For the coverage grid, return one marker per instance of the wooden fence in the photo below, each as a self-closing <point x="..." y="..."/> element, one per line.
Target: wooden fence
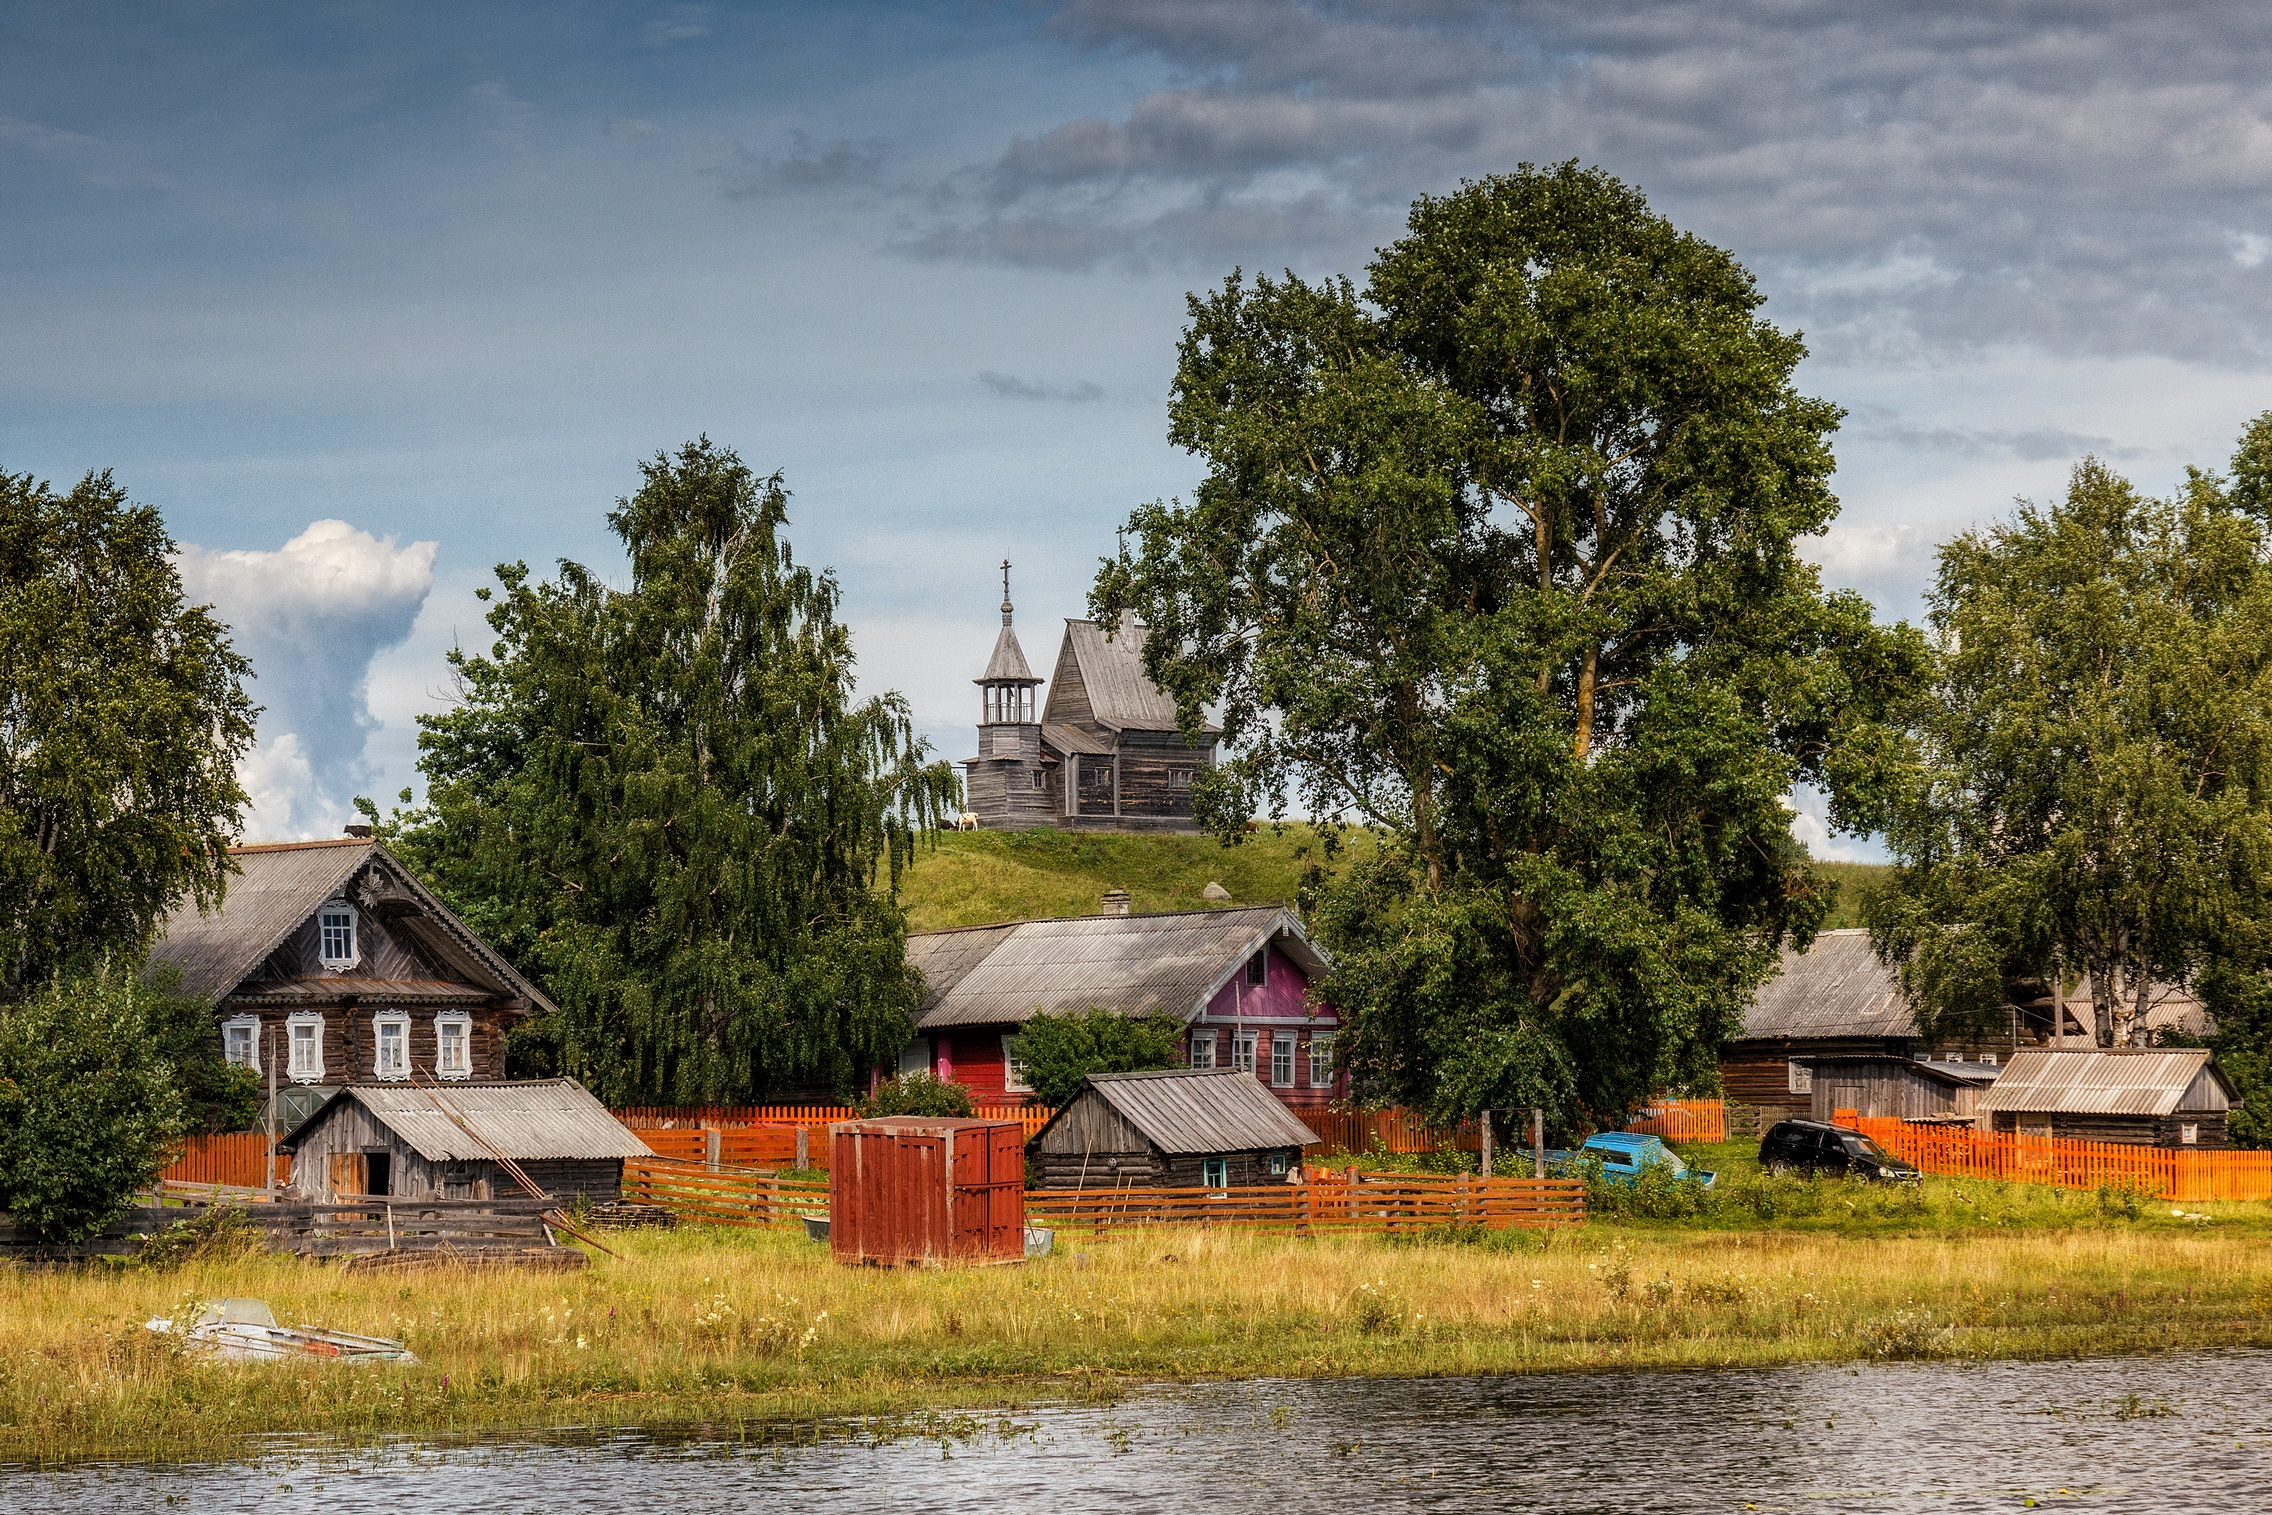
<point x="1682" y="1120"/>
<point x="2161" y="1172"/>
<point x="1332" y="1203"/>
<point x="816" y="1119"/>
<point x="723" y="1197"/>
<point x="1357" y="1132"/>
<point x="237" y="1159"/>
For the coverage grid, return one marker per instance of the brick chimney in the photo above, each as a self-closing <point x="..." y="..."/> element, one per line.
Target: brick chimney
<point x="1115" y="902"/>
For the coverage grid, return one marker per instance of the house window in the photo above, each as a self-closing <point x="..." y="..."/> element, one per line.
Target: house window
<point x="1802" y="1078"/>
<point x="1202" y="1049"/>
<point x="1258" y="968"/>
<point x="1282" y="1061"/>
<point x="1988" y="1059"/>
<point x="915" y="1057"/>
<point x="1015" y="1079"/>
<point x="240" y="1041"/>
<point x="304" y="1035"/>
<point x="1215" y="1172"/>
<point x="1321" y="1062"/>
<point x="335" y="932"/>
<point x="1277" y="1165"/>
<point x="390" y="1029"/>
<point x="1040" y="779"/>
<point x="453" y="1046"/>
<point x="1179" y="777"/>
<point x="2189" y="1135"/>
<point x="1242" y="1051"/>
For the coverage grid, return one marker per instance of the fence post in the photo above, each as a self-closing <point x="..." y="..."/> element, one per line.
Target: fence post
<point x="804" y="1146"/>
<point x="1538" y="1141"/>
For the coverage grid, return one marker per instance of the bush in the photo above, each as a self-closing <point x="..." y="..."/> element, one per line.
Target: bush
<point x="918" y="1094"/>
<point x="212" y="1235"/>
<point x="1059" y="1051"/>
<point x="89" y="1108"/>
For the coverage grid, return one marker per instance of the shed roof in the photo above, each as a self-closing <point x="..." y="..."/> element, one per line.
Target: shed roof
<point x="2119" y="1081"/>
<point x="535" y="1121"/>
<point x="1838" y="987"/>
<point x="279" y="885"/>
<point x="1064" y="738"/>
<point x="1121" y="696"/>
<point x="1185" y="1111"/>
<point x="1133" y="964"/>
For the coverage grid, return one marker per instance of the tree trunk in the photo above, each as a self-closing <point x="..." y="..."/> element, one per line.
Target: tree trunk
<point x="1587" y="670"/>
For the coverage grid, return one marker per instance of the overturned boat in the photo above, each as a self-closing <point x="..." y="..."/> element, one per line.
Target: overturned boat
<point x="245" y="1330"/>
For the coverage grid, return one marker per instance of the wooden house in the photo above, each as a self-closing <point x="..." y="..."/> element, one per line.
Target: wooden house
<point x="1182" y="1128"/>
<point x="1835" y="1000"/>
<point x="330" y="965"/>
<point x="1238" y="980"/>
<point x="415" y="1142"/>
<point x="1899" y="1088"/>
<point x="2142" y="1096"/>
<point x="1102" y="753"/>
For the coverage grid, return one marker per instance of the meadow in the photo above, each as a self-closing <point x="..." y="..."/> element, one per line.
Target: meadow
<point x="760" y="1333"/>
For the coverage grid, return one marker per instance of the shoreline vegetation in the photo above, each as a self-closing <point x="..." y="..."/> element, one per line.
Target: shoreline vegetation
<point x="759" y="1334"/>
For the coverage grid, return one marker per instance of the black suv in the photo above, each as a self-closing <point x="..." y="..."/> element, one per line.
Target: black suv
<point x="1820" y="1147"/>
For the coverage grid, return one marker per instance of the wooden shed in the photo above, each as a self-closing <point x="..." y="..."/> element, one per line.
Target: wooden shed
<point x="914" y="1189"/>
<point x="408" y="1140"/>
<point x="1899" y="1088"/>
<point x="1180" y="1128"/>
<point x="2143" y="1096"/>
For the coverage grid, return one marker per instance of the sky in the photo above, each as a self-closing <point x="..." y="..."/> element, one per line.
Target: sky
<point x="369" y="298"/>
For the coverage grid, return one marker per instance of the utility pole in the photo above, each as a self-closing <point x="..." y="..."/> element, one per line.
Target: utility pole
<point x="268" y="1052"/>
<point x="1537" y="1142"/>
<point x="1486" y="1144"/>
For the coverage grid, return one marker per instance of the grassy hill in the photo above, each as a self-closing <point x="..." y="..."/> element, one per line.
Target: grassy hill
<point x="1852" y="879"/>
<point x="973" y="877"/>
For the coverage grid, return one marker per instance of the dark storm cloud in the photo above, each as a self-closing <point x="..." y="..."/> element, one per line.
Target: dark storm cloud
<point x="2089" y="177"/>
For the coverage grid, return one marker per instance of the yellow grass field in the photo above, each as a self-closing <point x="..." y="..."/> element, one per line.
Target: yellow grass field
<point x="750" y="1329"/>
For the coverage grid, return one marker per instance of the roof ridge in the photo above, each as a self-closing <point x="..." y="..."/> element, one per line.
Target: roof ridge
<point x="1135" y="915"/>
<point x="309" y="844"/>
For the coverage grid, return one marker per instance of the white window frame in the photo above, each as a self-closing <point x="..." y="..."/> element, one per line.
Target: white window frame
<point x="1242" y="1051"/>
<point x="381" y="1023"/>
<point x="309" y="1071"/>
<point x="1321" y="1062"/>
<point x="1202" y="1054"/>
<point x="2189" y="1136"/>
<point x="1282" y="1054"/>
<point x="464" y="1024"/>
<point x="324" y="954"/>
<point x="1015" y="1077"/>
<point x="1802" y="1077"/>
<point x="242" y="1023"/>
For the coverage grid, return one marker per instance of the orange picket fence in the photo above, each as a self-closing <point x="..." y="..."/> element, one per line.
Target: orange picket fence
<point x="1682" y="1120"/>
<point x="1330" y="1202"/>
<point x="1360" y="1131"/>
<point x="815" y="1118"/>
<point x="2161" y="1172"/>
<point x="238" y="1159"/>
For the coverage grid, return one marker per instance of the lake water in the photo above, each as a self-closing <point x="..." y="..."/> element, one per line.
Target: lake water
<point x="2176" y="1433"/>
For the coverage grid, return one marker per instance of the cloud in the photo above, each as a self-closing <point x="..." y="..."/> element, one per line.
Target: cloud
<point x="807" y="167"/>
<point x="310" y="617"/>
<point x="1810" y="825"/>
<point x="94" y="159"/>
<point x="1011" y="387"/>
<point x="2040" y="444"/>
<point x="683" y="24"/>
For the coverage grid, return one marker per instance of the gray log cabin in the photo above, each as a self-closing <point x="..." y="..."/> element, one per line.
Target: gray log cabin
<point x="410" y="1142"/>
<point x="1181" y="1128"/>
<point x="1103" y="753"/>
<point x="330" y="961"/>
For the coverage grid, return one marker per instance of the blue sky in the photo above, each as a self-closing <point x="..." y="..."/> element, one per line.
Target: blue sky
<point x="444" y="273"/>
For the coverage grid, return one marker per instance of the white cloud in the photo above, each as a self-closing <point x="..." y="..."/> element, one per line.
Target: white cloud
<point x="311" y="617"/>
<point x="1810" y="824"/>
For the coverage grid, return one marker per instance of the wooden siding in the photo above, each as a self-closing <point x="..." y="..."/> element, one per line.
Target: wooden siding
<point x="386" y="952"/>
<point x="1091" y="1126"/>
<point x="1155" y="1170"/>
<point x="1068" y="702"/>
<point x="1757" y="1073"/>
<point x="1886" y="1089"/>
<point x="2214" y="1128"/>
<point x="348" y="1129"/>
<point x="351" y="1044"/>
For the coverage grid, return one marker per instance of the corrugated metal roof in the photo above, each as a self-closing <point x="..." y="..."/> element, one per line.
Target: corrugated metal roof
<point x="1183" y="1111"/>
<point x="2146" y="1081"/>
<point x="277" y="887"/>
<point x="1131" y="964"/>
<point x="536" y="1121"/>
<point x="1838" y="987"/>
<point x="1112" y="671"/>
<point x="1009" y="660"/>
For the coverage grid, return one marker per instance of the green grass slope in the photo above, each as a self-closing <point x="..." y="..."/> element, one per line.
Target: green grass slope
<point x="1853" y="880"/>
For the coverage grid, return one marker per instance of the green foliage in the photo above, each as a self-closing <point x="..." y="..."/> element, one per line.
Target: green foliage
<point x="919" y="1094"/>
<point x="665" y="801"/>
<point x="2091" y="766"/>
<point x="1501" y="557"/>
<point x="1060" y="1050"/>
<point x="217" y="1095"/>
<point x="218" y="1233"/>
<point x="2239" y="997"/>
<point x="89" y="1111"/>
<point x="122" y="716"/>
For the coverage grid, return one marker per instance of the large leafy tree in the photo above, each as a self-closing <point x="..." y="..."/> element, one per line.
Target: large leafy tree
<point x="1500" y="555"/>
<point x="2093" y="760"/>
<point x="122" y="716"/>
<point x="667" y="800"/>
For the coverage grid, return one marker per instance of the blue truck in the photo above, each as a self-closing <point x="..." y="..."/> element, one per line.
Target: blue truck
<point x="1625" y="1155"/>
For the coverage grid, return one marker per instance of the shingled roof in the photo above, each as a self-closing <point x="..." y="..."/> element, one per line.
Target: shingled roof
<point x="536" y="1121"/>
<point x="1133" y="964"/>
<point x="1190" y="1111"/>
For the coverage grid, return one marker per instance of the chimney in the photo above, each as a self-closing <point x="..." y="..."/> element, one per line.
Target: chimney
<point x="361" y="831"/>
<point x="1115" y="902"/>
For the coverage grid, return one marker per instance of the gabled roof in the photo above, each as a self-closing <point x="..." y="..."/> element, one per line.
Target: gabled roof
<point x="279" y="885"/>
<point x="1188" y="1111"/>
<point x="1132" y="964"/>
<point x="1837" y="988"/>
<point x="1948" y="1075"/>
<point x="537" y="1121"/>
<point x="1121" y="697"/>
<point x="2119" y="1081"/>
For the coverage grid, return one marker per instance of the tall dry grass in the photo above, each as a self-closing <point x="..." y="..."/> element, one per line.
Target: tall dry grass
<point x="733" y="1327"/>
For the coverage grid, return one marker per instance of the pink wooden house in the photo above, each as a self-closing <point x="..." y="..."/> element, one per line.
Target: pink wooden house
<point x="1239" y="980"/>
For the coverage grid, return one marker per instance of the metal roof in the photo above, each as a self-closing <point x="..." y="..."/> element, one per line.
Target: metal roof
<point x="1008" y="665"/>
<point x="1951" y="1075"/>
<point x="1838" y="987"/>
<point x="279" y="885"/>
<point x="2120" y="1081"/>
<point x="1131" y="964"/>
<point x="1121" y="697"/>
<point x="536" y="1121"/>
<point x="1183" y="1111"/>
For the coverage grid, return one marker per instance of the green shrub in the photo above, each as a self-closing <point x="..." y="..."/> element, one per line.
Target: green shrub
<point x="1059" y="1051"/>
<point x="918" y="1094"/>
